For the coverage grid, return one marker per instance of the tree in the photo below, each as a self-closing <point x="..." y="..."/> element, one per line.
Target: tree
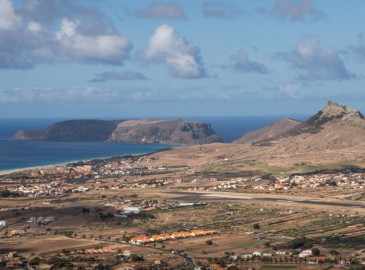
<point x="35" y="261"/>
<point x="256" y="226"/>
<point x="316" y="252"/>
<point x="209" y="242"/>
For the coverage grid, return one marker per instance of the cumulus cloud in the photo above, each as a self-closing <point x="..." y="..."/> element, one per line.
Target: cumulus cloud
<point x="314" y="62"/>
<point x="120" y="76"/>
<point x="242" y="63"/>
<point x="29" y="35"/>
<point x="8" y="19"/>
<point x="221" y="9"/>
<point x="112" y="49"/>
<point x="294" y="10"/>
<point x="182" y="57"/>
<point x="170" y="10"/>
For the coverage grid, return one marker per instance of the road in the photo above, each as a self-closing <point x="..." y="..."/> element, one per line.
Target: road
<point x="191" y="195"/>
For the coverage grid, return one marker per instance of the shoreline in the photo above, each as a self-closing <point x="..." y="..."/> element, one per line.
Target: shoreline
<point x="16" y="170"/>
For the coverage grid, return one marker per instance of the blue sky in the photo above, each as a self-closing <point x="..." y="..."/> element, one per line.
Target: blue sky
<point x="119" y="58"/>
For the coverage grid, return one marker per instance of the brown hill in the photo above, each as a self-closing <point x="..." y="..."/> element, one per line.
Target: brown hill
<point x="273" y="130"/>
<point x="335" y="135"/>
<point x="331" y="113"/>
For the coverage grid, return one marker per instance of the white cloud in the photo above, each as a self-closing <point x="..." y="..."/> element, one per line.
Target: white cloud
<point x="181" y="56"/>
<point x="294" y="10"/>
<point x="32" y="34"/>
<point x="111" y="48"/>
<point x="34" y="27"/>
<point x="242" y="63"/>
<point x="221" y="9"/>
<point x="8" y="19"/>
<point x="170" y="10"/>
<point x="314" y="62"/>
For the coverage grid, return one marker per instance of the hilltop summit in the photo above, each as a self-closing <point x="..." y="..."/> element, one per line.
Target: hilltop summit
<point x="334" y="123"/>
<point x="334" y="111"/>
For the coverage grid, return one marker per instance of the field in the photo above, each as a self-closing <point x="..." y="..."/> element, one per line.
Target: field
<point x="85" y="232"/>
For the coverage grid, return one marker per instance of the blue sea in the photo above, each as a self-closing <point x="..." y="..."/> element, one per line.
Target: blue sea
<point x="22" y="154"/>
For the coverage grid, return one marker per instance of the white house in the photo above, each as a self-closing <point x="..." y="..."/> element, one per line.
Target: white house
<point x="305" y="253"/>
<point x="2" y="223"/>
<point x="281" y="252"/>
<point x="132" y="210"/>
<point x="127" y="253"/>
<point x="246" y="256"/>
<point x="256" y="253"/>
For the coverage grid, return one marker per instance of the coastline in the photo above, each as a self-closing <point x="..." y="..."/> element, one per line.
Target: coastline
<point x="6" y="172"/>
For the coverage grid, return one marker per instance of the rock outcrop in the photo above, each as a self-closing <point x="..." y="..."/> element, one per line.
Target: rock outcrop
<point x="126" y="131"/>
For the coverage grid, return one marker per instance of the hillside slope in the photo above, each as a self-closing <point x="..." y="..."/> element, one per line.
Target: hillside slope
<point x="273" y="130"/>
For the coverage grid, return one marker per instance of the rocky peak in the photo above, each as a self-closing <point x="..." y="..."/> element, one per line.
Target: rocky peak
<point x="332" y="113"/>
<point x="337" y="112"/>
<point x="333" y="109"/>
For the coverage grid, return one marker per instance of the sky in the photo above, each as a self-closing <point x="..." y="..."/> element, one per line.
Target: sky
<point x="122" y="58"/>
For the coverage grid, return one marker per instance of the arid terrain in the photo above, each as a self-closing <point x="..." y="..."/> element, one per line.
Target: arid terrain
<point x="291" y="200"/>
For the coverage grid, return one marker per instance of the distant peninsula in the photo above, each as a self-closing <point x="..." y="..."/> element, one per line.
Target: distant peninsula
<point x="147" y="131"/>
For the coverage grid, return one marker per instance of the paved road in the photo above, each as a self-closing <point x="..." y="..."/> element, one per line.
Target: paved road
<point x="257" y="197"/>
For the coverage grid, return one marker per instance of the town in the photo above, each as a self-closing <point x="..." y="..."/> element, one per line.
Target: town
<point x="133" y="213"/>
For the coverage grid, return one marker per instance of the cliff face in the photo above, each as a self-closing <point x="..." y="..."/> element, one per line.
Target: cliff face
<point x="164" y="132"/>
<point x="130" y="131"/>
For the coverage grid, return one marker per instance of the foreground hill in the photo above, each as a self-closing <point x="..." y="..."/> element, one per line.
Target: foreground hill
<point x="334" y="126"/>
<point x="128" y="131"/>
<point x="335" y="135"/>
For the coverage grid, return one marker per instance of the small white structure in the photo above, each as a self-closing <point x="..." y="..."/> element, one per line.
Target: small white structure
<point x="305" y="253"/>
<point x="246" y="256"/>
<point x="132" y="210"/>
<point x="2" y="223"/>
<point x="281" y="252"/>
<point x="256" y="253"/>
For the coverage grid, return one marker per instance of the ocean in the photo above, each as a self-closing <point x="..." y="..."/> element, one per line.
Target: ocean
<point x="22" y="154"/>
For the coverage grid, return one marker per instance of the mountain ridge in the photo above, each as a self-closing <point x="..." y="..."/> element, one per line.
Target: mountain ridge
<point x="332" y="114"/>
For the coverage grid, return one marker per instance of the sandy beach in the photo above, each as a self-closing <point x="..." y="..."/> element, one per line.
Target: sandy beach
<point x="5" y="172"/>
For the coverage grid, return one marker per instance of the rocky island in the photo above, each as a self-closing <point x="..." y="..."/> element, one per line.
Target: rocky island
<point x="148" y="131"/>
